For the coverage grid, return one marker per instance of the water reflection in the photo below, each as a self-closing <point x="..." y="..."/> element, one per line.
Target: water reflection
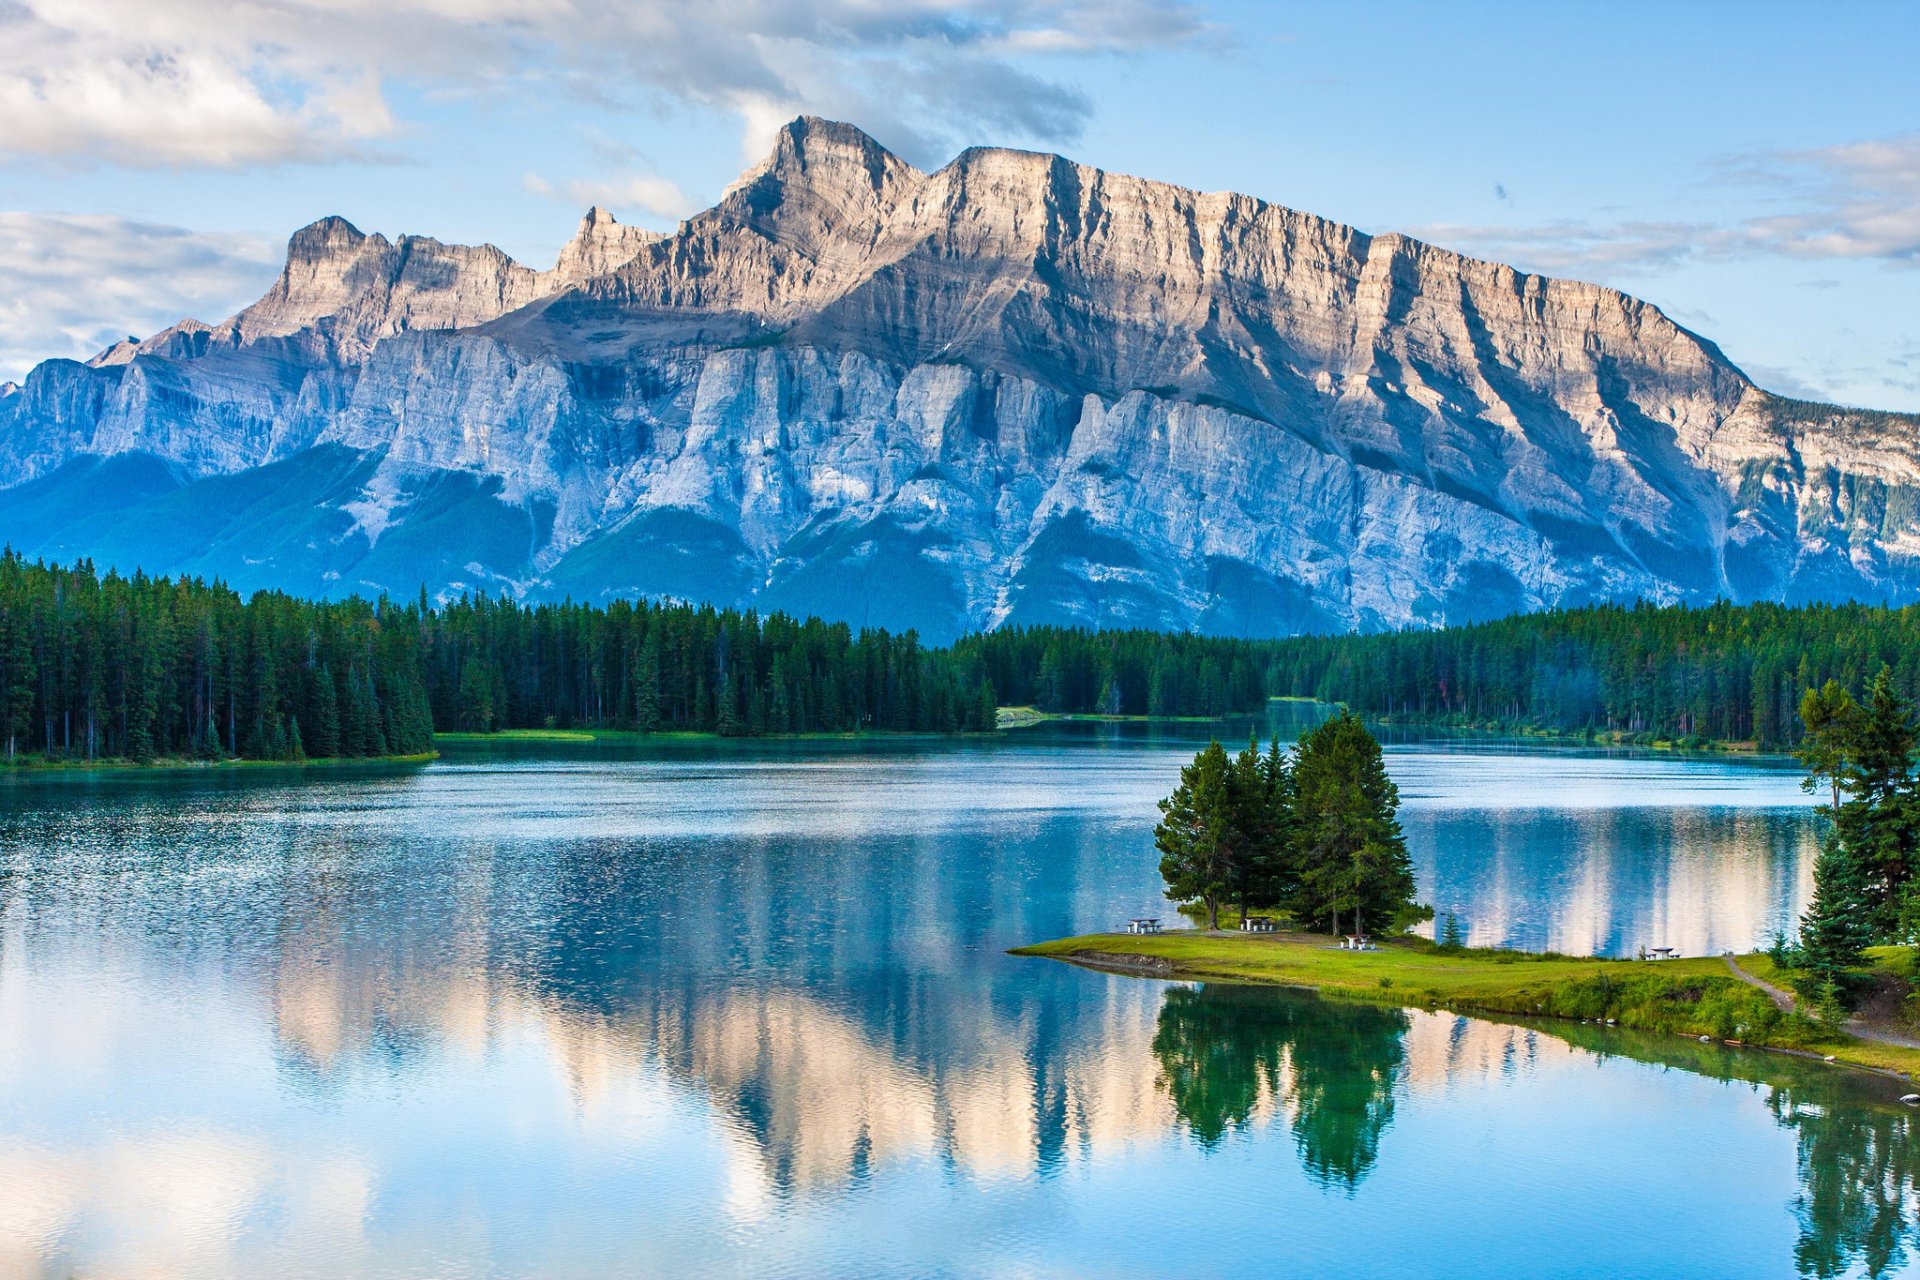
<point x="1226" y="1053"/>
<point x="1608" y="881"/>
<point x="1860" y="1184"/>
<point x="727" y="1014"/>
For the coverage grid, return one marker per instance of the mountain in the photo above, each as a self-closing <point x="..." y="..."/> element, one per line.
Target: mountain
<point x="1016" y="389"/>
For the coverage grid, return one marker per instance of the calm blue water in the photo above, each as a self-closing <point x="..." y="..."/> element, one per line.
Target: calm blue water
<point x="709" y="1010"/>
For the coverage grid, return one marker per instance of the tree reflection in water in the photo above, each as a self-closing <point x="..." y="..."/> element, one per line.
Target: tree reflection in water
<point x="1227" y="1052"/>
<point x="1859" y="1201"/>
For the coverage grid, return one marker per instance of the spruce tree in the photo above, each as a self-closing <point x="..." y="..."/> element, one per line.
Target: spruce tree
<point x="1193" y="832"/>
<point x="476" y="697"/>
<point x="1260" y="825"/>
<point x="1829" y="715"/>
<point x="1838" y="925"/>
<point x="1350" y="855"/>
<point x="646" y="683"/>
<point x="326" y="714"/>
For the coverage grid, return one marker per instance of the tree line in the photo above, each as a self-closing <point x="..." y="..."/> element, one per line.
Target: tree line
<point x="105" y="666"/>
<point x="95" y="666"/>
<point x="1732" y="673"/>
<point x="1313" y="831"/>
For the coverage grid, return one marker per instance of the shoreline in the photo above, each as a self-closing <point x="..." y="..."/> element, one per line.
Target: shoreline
<point x="1437" y="726"/>
<point x="509" y="736"/>
<point x="1695" y="999"/>
<point x="1616" y="738"/>
<point x="24" y="767"/>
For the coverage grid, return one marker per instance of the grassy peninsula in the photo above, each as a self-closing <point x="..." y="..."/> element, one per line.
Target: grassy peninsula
<point x="1693" y="997"/>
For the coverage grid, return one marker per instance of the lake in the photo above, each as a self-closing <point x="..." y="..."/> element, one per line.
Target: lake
<point x="721" y="1009"/>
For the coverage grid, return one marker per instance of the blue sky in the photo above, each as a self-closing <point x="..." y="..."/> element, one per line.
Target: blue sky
<point x="1752" y="168"/>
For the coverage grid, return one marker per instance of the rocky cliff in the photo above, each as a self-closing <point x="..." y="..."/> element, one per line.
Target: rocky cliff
<point x="1015" y="389"/>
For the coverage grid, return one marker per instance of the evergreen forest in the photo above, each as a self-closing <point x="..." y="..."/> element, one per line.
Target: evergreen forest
<point x="107" y="666"/>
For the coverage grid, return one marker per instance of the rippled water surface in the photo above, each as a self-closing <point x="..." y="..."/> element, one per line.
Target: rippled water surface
<point x="704" y="1010"/>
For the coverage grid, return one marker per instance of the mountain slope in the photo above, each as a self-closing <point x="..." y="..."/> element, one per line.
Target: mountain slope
<point x="1015" y="389"/>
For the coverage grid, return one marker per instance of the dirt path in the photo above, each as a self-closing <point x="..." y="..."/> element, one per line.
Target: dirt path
<point x="1865" y="1025"/>
<point x="1782" y="1000"/>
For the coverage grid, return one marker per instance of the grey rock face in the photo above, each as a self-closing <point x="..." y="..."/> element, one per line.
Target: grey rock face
<point x="1014" y="390"/>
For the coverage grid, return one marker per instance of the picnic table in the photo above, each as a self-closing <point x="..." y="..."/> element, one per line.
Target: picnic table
<point x="1257" y="924"/>
<point x="1144" y="924"/>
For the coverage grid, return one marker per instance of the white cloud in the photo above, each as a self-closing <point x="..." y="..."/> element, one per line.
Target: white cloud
<point x="621" y="194"/>
<point x="626" y="183"/>
<point x="1787" y="382"/>
<point x="60" y="273"/>
<point x="1862" y="201"/>
<point x="169" y="83"/>
<point x="1855" y="200"/>
<point x="1575" y="248"/>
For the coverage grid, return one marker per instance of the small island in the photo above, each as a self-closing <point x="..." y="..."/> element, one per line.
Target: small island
<point x="1311" y="835"/>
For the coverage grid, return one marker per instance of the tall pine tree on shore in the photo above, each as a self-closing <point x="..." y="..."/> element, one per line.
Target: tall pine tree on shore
<point x="1350" y="853"/>
<point x="1193" y="834"/>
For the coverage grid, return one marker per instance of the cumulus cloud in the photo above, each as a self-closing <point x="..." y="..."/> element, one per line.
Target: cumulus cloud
<point x="60" y="273"/>
<point x="166" y="83"/>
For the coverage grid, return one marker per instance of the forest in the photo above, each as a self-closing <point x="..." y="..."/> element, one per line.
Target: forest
<point x="1720" y="672"/>
<point x="105" y="666"/>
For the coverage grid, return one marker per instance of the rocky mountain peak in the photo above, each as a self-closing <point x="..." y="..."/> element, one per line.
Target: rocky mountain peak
<point x="809" y="146"/>
<point x="821" y="168"/>
<point x="1016" y="388"/>
<point x="328" y="237"/>
<point x="601" y="245"/>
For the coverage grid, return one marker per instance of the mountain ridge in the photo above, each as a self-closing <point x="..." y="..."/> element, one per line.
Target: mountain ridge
<point x="1013" y="388"/>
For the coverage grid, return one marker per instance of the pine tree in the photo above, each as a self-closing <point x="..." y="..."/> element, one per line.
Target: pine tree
<point x="1838" y="925"/>
<point x="1351" y="856"/>
<point x="1192" y="834"/>
<point x="1259" y="826"/>
<point x="1829" y="715"/>
<point x="646" y="683"/>
<point x="326" y="714"/>
<point x="476" y="697"/>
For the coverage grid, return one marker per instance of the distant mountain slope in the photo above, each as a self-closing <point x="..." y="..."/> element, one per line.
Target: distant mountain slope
<point x="1016" y="389"/>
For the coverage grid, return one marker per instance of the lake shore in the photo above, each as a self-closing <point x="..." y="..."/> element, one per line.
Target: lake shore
<point x="1448" y="726"/>
<point x="1693" y="997"/>
<point x="25" y="765"/>
<point x="509" y="737"/>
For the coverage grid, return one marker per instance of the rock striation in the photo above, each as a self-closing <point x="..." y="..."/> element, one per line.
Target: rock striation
<point x="1016" y="389"/>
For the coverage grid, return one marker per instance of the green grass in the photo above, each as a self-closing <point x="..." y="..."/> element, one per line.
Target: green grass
<point x="1693" y="997"/>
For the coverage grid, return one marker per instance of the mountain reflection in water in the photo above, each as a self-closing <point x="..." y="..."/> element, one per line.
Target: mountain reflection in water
<point x="708" y="1014"/>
